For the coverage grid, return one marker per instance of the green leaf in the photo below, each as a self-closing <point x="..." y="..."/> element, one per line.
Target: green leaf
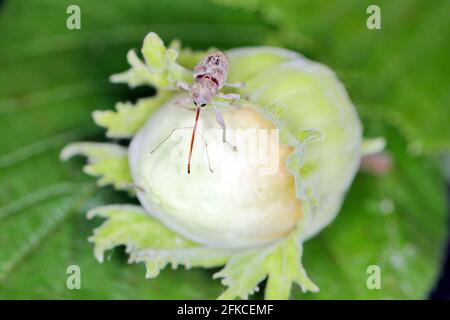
<point x="396" y="221"/>
<point x="52" y="79"/>
<point x="159" y="69"/>
<point x="154" y="51"/>
<point x="397" y="73"/>
<point x="128" y="117"/>
<point x="107" y="161"/>
<point x="147" y="240"/>
<point x="42" y="273"/>
<point x="280" y="262"/>
<point x="285" y="268"/>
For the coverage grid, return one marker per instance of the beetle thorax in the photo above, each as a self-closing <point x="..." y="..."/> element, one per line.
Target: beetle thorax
<point x="215" y="66"/>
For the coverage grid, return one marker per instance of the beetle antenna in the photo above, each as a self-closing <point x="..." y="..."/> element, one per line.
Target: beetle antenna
<point x="166" y="138"/>
<point x="197" y="114"/>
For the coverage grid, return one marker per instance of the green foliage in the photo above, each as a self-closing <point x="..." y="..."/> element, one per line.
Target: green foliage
<point x="159" y="69"/>
<point x="128" y="117"/>
<point x="149" y="241"/>
<point x="53" y="78"/>
<point x="281" y="263"/>
<point x="398" y="73"/>
<point x="107" y="161"/>
<point x="396" y="221"/>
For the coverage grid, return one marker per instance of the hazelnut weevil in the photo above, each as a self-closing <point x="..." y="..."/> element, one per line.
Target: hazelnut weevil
<point x="210" y="75"/>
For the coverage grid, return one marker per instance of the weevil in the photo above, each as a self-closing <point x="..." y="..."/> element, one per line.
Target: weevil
<point x="210" y="76"/>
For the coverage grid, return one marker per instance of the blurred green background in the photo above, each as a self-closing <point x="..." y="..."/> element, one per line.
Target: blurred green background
<point x="51" y="78"/>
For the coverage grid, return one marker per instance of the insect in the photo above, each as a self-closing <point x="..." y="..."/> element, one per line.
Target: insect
<point x="210" y="76"/>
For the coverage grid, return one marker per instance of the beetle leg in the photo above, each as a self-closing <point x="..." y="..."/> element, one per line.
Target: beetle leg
<point x="184" y="102"/>
<point x="221" y="122"/>
<point x="229" y="96"/>
<point x="239" y="85"/>
<point x="235" y="97"/>
<point x="182" y="85"/>
<point x="179" y="85"/>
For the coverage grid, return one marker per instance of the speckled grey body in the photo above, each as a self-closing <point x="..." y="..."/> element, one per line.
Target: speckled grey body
<point x="214" y="64"/>
<point x="209" y="77"/>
